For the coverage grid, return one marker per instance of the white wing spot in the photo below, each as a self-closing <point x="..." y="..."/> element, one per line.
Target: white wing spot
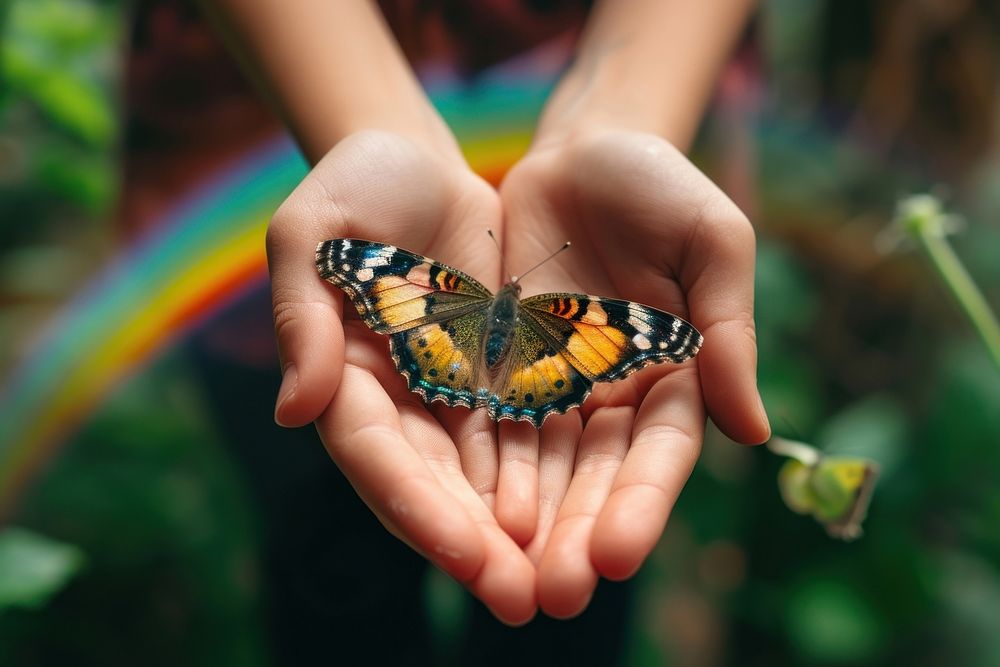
<point x="641" y="341"/>
<point x="364" y="275"/>
<point x="376" y="260"/>
<point x="345" y="267"/>
<point x="641" y="325"/>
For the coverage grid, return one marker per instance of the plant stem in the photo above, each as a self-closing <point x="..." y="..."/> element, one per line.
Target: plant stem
<point x="963" y="288"/>
<point x="799" y="451"/>
<point x="922" y="217"/>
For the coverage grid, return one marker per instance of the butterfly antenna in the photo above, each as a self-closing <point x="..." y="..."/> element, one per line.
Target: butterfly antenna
<point x="565" y="246"/>
<point x="503" y="267"/>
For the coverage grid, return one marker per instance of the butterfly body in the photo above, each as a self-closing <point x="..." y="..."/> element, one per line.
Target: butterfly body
<point x="458" y="343"/>
<point x="501" y="323"/>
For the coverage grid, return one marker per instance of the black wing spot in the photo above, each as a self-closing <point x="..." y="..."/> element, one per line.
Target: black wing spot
<point x="422" y="342"/>
<point x="529" y="398"/>
<point x="432" y="372"/>
<point x="451" y="376"/>
<point x="427" y="354"/>
<point x="559" y="384"/>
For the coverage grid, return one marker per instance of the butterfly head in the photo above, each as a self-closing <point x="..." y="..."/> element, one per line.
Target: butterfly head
<point x="513" y="287"/>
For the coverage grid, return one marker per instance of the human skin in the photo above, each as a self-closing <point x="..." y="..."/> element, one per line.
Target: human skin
<point x="524" y="518"/>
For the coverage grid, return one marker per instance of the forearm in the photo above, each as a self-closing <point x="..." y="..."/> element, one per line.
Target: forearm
<point x="331" y="69"/>
<point x="645" y="65"/>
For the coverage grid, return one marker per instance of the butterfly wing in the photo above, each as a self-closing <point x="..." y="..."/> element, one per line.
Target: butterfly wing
<point x="434" y="314"/>
<point x="395" y="290"/>
<point x="539" y="381"/>
<point x="607" y="339"/>
<point x="441" y="360"/>
<point x="566" y="342"/>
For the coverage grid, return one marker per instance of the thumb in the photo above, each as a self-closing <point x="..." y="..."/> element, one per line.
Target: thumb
<point x="307" y="321"/>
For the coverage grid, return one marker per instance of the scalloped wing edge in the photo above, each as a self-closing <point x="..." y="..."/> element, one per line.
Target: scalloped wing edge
<point x="474" y="402"/>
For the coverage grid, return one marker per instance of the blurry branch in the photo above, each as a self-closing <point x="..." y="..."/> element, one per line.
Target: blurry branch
<point x="836" y="491"/>
<point x="921" y="218"/>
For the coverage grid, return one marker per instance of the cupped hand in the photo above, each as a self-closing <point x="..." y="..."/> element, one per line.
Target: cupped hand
<point x="430" y="477"/>
<point x="648" y="226"/>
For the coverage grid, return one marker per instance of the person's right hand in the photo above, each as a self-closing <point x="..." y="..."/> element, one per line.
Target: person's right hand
<point x="431" y="482"/>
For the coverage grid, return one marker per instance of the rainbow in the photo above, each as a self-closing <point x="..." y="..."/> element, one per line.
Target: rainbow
<point x="205" y="253"/>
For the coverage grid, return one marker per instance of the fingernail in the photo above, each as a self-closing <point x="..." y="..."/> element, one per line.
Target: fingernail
<point x="289" y="382"/>
<point x="763" y="416"/>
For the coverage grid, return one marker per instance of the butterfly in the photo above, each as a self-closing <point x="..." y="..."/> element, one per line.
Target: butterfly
<point x="454" y="341"/>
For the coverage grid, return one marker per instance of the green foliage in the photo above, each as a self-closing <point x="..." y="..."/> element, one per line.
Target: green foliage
<point x="447" y="612"/>
<point x="58" y="110"/>
<point x="146" y="492"/>
<point x="53" y="54"/>
<point x="33" y="567"/>
<point x="830" y="623"/>
<point x="59" y="128"/>
<point x="786" y="311"/>
<point x="876" y="427"/>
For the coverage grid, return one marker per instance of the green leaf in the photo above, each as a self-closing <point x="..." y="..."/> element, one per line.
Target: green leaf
<point x="60" y="56"/>
<point x="78" y="105"/>
<point x="33" y="567"/>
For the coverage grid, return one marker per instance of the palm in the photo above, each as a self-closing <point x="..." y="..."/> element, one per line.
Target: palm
<point x="634" y="209"/>
<point x="425" y="479"/>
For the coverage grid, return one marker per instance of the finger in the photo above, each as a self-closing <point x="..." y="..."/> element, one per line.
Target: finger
<point x="475" y="438"/>
<point x="557" y="443"/>
<point x="362" y="432"/>
<point x="666" y="441"/>
<point x="566" y="576"/>
<point x="307" y="315"/>
<point x="505" y="581"/>
<point x="718" y="278"/>
<point x="517" y="483"/>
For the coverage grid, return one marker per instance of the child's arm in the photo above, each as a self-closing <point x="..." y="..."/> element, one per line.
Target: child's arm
<point x="647" y="66"/>
<point x="331" y="69"/>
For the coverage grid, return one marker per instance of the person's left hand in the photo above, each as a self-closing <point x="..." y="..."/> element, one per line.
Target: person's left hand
<point x="646" y="225"/>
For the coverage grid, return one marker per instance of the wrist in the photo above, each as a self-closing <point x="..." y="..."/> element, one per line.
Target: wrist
<point x="331" y="69"/>
<point x="410" y="115"/>
<point x="600" y="93"/>
<point x="645" y="66"/>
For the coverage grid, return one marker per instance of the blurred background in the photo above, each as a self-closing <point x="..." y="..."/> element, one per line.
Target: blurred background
<point x="137" y="175"/>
